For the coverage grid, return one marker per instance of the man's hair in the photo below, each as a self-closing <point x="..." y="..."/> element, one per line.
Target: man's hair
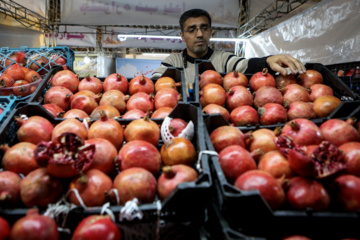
<point x="193" y="13"/>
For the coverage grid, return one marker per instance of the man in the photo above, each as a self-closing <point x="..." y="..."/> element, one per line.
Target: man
<point x="195" y="25"/>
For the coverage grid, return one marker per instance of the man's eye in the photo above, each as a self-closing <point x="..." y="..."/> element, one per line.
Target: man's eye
<point x="191" y="30"/>
<point x="204" y="29"/>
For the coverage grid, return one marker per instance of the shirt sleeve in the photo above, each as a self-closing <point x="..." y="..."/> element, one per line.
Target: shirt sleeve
<point x="170" y="61"/>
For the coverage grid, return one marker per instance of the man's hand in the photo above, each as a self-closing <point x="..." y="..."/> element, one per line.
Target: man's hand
<point x="278" y="63"/>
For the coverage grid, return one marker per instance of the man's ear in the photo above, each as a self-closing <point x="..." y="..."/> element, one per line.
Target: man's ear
<point x="212" y="31"/>
<point x="182" y="36"/>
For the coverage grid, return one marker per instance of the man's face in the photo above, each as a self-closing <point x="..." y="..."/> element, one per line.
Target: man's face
<point x="196" y="35"/>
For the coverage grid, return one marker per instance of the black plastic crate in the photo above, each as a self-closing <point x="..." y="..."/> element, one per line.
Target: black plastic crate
<point x="7" y="103"/>
<point x="347" y="69"/>
<point x="254" y="217"/>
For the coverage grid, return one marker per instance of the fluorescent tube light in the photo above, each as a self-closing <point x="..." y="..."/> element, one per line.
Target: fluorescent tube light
<point x="123" y="37"/>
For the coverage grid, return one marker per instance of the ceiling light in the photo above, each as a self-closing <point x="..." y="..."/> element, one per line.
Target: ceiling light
<point x="123" y="37"/>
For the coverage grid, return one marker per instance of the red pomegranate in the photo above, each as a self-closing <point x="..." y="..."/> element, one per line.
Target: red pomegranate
<point x="39" y="188"/>
<point x="110" y="111"/>
<point x="141" y="84"/>
<point x="6" y="81"/>
<point x="172" y="176"/>
<point x="39" y="63"/>
<point x="275" y="163"/>
<point x="238" y="96"/>
<point x="301" y="109"/>
<point x="5" y="229"/>
<point x="15" y="71"/>
<point x="105" y="155"/>
<point x="97" y="227"/>
<point x="293" y="93"/>
<point x="87" y="93"/>
<point x="32" y="76"/>
<point x="260" y="79"/>
<point x="59" y="96"/>
<point x="135" y="183"/>
<point x="217" y="109"/>
<point x="116" y="81"/>
<point x="107" y="128"/>
<point x="93" y="84"/>
<point x="21" y="88"/>
<point x="143" y="129"/>
<point x="34" y="129"/>
<point x="178" y="151"/>
<point x="267" y="94"/>
<point x="338" y="132"/>
<point x="282" y="81"/>
<point x="236" y="160"/>
<point x="272" y="113"/>
<point x="167" y="97"/>
<point x="270" y="189"/>
<point x="142" y="101"/>
<point x="57" y="59"/>
<point x="83" y="102"/>
<point x="134" y="114"/>
<point x="244" y="115"/>
<point x="212" y="93"/>
<point x="304" y="193"/>
<point x="323" y="106"/>
<point x="93" y="187"/>
<point x="9" y="189"/>
<point x="75" y="113"/>
<point x="234" y="78"/>
<point x="12" y="58"/>
<point x="54" y="109"/>
<point x="318" y="90"/>
<point x="67" y="79"/>
<point x="310" y="77"/>
<point x="352" y="157"/>
<point x="35" y="226"/>
<point x="346" y="189"/>
<point x="114" y="98"/>
<point x="139" y="153"/>
<point x="166" y="82"/>
<point x="263" y="139"/>
<point x="210" y="76"/>
<point x="303" y="132"/>
<point x="69" y="125"/>
<point x="176" y="126"/>
<point x="296" y="237"/>
<point x="20" y="158"/>
<point x="161" y="112"/>
<point x="224" y="136"/>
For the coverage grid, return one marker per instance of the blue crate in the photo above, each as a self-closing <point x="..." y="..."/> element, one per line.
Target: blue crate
<point x="7" y="103"/>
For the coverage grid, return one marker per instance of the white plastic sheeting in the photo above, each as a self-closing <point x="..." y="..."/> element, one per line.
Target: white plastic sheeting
<point x="15" y="37"/>
<point x="327" y="33"/>
<point x="37" y="6"/>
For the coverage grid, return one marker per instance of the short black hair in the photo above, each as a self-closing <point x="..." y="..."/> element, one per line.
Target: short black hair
<point x="193" y="13"/>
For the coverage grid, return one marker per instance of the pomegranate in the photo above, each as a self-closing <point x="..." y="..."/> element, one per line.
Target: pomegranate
<point x="272" y="113"/>
<point x="142" y="101"/>
<point x="67" y="79"/>
<point x="39" y="63"/>
<point x="35" y="226"/>
<point x="310" y="77"/>
<point x="338" y="132"/>
<point x="97" y="227"/>
<point x="5" y="229"/>
<point x="317" y="90"/>
<point x="34" y="129"/>
<point x="270" y="189"/>
<point x="114" y="98"/>
<point x="83" y="102"/>
<point x="224" y="136"/>
<point x="54" y="109"/>
<point x="93" y="84"/>
<point x="282" y="81"/>
<point x="21" y="56"/>
<point x="93" y="187"/>
<point x="139" y="153"/>
<point x="303" y="132"/>
<point x="296" y="237"/>
<point x="21" y="88"/>
<point x="6" y="81"/>
<point x="59" y="96"/>
<point x="238" y="96"/>
<point x="303" y="193"/>
<point x="176" y="126"/>
<point x="143" y="129"/>
<point x="244" y="115"/>
<point x="325" y="105"/>
<point x="107" y="128"/>
<point x="105" y="155"/>
<point x="260" y="79"/>
<point x="57" y="59"/>
<point x="166" y="82"/>
<point x="161" y="112"/>
<point x="235" y="160"/>
<point x="167" y="97"/>
<point x="141" y="84"/>
<point x="15" y="71"/>
<point x="263" y="139"/>
<point x="210" y="76"/>
<point x="301" y="109"/>
<point x="69" y="125"/>
<point x="212" y="93"/>
<point x="293" y="93"/>
<point x="217" y="109"/>
<point x="9" y="189"/>
<point x="87" y="93"/>
<point x="134" y="114"/>
<point x="346" y="189"/>
<point x="39" y="188"/>
<point x="66" y="158"/>
<point x="234" y="78"/>
<point x="32" y="76"/>
<point x="116" y="81"/>
<point x="352" y="157"/>
<point x="178" y="151"/>
<point x="172" y="176"/>
<point x="20" y="158"/>
<point x="75" y="113"/>
<point x="275" y="163"/>
<point x="135" y="183"/>
<point x="267" y="94"/>
<point x="110" y="111"/>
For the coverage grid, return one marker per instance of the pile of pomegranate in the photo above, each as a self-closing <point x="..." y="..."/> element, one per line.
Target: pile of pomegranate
<point x="299" y="166"/>
<point x="71" y="97"/>
<point x="265" y="99"/>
